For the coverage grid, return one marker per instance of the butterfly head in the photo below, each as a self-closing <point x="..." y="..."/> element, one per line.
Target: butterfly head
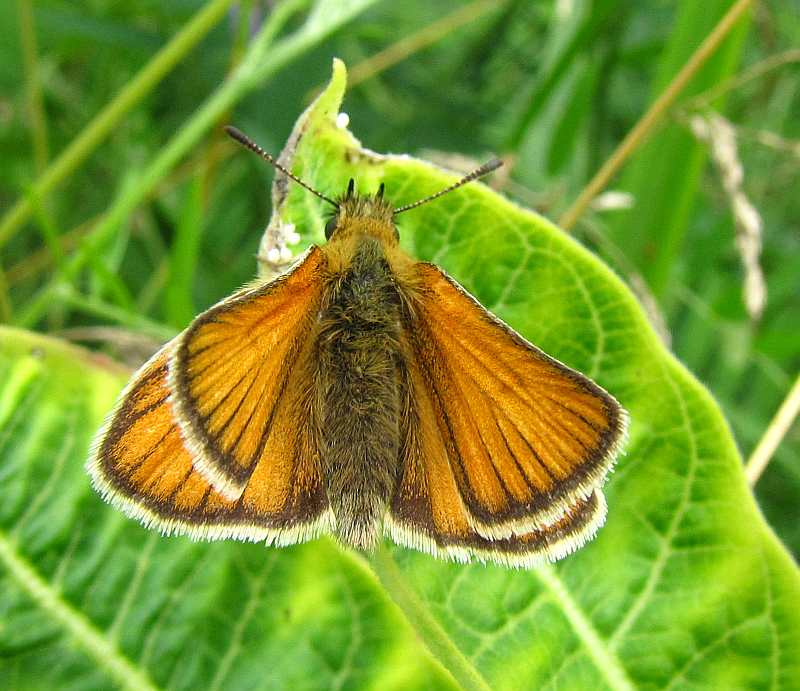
<point x="362" y="214"/>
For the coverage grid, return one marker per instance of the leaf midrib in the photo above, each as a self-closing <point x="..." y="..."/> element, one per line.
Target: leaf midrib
<point x="606" y="662"/>
<point x="438" y="640"/>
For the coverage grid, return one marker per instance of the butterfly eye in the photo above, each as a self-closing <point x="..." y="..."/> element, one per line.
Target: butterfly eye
<point x="330" y="226"/>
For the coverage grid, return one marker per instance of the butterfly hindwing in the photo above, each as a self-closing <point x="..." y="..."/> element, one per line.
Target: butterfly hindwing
<point x="525" y="437"/>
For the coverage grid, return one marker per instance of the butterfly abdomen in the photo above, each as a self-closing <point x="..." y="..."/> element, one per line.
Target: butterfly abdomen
<point x="358" y="354"/>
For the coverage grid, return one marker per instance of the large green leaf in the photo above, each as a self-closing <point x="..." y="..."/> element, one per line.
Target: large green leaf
<point x="685" y="587"/>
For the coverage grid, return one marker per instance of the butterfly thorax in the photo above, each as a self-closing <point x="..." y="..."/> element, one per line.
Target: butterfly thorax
<point x="357" y="360"/>
<point x="363" y="231"/>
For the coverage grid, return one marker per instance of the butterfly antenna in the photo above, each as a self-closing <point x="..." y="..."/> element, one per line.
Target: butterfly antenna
<point x="248" y="143"/>
<point x="486" y="168"/>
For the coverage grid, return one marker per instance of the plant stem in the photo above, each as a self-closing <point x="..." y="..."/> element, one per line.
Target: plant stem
<point x="654" y="114"/>
<point x="104" y="122"/>
<point x="428" y="629"/>
<point x="33" y="87"/>
<point x="756" y="71"/>
<point x="772" y="438"/>
<point x="428" y="35"/>
<point x="128" y="319"/>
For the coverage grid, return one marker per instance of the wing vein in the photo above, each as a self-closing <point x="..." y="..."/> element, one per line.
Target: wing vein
<point x="443" y="412"/>
<point x="150" y="452"/>
<point x="207" y="416"/>
<point x="513" y="455"/>
<point x="253" y="408"/>
<point x="179" y="486"/>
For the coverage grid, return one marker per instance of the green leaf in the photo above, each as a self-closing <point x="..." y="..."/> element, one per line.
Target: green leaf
<point x="685" y="587"/>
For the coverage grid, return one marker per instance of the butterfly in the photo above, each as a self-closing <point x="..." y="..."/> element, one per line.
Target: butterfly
<point x="362" y="393"/>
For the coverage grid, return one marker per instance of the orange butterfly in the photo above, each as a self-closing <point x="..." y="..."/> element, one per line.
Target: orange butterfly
<point x="362" y="392"/>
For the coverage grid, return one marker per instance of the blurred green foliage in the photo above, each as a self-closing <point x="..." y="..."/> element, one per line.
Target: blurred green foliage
<point x="693" y="583"/>
<point x="555" y="85"/>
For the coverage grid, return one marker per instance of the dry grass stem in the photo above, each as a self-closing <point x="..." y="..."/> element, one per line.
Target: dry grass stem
<point x="653" y="116"/>
<point x="720" y="135"/>
<point x="775" y="433"/>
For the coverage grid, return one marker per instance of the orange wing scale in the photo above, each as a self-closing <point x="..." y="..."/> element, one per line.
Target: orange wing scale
<point x="143" y="466"/>
<point x="428" y="511"/>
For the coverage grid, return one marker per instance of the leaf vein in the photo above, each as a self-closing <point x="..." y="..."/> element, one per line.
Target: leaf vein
<point x="599" y="650"/>
<point x="99" y="647"/>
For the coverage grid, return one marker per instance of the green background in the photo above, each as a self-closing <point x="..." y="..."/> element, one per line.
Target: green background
<point x="686" y="587"/>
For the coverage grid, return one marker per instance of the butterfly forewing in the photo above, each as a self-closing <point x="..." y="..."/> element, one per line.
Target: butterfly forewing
<point x="144" y="462"/>
<point x="526" y="437"/>
<point x="234" y="364"/>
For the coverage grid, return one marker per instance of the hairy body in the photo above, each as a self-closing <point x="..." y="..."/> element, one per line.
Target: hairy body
<point x="357" y="360"/>
<point x="358" y="364"/>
